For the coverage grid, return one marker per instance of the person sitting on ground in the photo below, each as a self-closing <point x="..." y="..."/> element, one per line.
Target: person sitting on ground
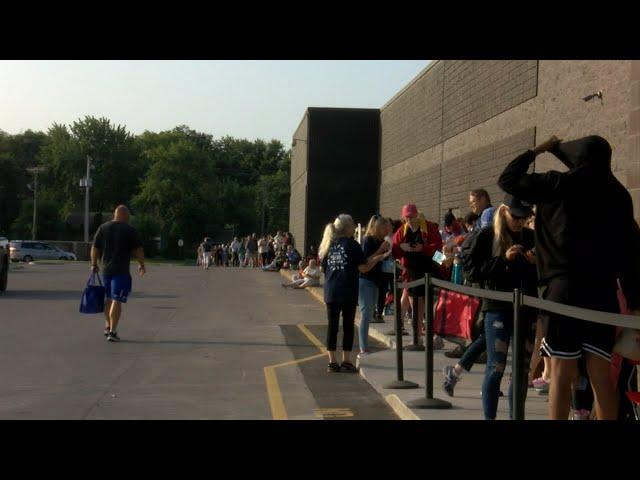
<point x="310" y="277"/>
<point x="293" y="258"/>
<point x="277" y="263"/>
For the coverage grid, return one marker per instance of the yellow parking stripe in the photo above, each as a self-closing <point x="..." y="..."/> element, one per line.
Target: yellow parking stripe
<point x="312" y="338"/>
<point x="278" y="409"/>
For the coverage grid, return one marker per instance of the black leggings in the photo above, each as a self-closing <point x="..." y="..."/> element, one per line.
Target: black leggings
<point x="348" y="319"/>
<point x="384" y="288"/>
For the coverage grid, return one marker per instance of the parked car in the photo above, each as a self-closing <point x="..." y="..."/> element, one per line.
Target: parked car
<point x="28" y="251"/>
<point x="4" y="263"/>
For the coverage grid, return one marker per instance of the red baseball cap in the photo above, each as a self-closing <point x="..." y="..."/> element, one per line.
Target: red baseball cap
<point x="409" y="210"/>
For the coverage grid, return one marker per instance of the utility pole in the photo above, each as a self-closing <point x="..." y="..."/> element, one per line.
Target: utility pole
<point x="264" y="202"/>
<point x="86" y="183"/>
<point x="35" y="171"/>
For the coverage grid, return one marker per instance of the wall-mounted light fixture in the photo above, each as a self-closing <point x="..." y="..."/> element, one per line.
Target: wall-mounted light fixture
<point x="598" y="94"/>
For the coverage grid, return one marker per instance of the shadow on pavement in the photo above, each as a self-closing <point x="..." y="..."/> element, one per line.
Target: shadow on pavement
<point x="44" y="294"/>
<point x="202" y="342"/>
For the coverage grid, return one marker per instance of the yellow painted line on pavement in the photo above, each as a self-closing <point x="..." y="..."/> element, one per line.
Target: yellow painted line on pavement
<point x="278" y="409"/>
<point x="312" y="338"/>
<point x="333" y="412"/>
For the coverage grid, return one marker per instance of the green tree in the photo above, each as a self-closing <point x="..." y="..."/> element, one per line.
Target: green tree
<point x="181" y="191"/>
<point x="49" y="221"/>
<point x="17" y="153"/>
<point x="116" y="160"/>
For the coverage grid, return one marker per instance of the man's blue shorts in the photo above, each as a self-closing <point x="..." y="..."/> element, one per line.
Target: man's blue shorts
<point x="117" y="287"/>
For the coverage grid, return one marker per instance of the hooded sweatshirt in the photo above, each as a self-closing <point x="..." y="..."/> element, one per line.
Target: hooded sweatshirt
<point x="573" y="211"/>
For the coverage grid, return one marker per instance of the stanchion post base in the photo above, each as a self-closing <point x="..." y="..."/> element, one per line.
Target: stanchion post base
<point x="414" y="348"/>
<point x="429" y="403"/>
<point x="400" y="385"/>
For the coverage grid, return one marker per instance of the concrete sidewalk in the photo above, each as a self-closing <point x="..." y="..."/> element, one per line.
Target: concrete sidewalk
<point x="380" y="368"/>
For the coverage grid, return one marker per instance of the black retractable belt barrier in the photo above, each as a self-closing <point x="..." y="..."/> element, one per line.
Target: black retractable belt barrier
<point x="400" y="383"/>
<point x="428" y="402"/>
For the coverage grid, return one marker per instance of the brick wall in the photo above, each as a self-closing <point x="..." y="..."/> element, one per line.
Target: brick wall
<point x="492" y="111"/>
<point x="297" y="211"/>
<point x="298" y="198"/>
<point x="633" y="155"/>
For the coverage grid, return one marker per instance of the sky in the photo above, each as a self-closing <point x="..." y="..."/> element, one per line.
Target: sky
<point x="245" y="99"/>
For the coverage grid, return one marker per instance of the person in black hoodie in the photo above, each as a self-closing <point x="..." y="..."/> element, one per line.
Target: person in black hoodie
<point x="501" y="258"/>
<point x="570" y="242"/>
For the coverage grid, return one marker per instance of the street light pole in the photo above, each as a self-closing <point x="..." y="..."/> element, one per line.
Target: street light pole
<point x="264" y="202"/>
<point x="86" y="182"/>
<point x="35" y="172"/>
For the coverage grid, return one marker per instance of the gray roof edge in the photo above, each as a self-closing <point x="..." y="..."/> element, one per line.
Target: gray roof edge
<point x="411" y="82"/>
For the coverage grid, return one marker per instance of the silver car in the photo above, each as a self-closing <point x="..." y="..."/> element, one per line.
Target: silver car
<point x="28" y="251"/>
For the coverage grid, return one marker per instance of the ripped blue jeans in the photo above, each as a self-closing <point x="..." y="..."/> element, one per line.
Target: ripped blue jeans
<point x="498" y="328"/>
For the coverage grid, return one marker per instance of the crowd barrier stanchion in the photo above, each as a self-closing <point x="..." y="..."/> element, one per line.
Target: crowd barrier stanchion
<point x="400" y="383"/>
<point x="517" y="362"/>
<point x="428" y="402"/>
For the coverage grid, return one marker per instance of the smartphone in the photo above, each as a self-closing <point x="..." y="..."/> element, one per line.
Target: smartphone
<point x="438" y="257"/>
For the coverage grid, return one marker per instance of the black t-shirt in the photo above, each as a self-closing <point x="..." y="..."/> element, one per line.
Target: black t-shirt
<point x="417" y="262"/>
<point x="206" y="246"/>
<point x="370" y="245"/>
<point x="116" y="241"/>
<point x="340" y="265"/>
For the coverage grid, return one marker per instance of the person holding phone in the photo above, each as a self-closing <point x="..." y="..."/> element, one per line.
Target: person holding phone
<point x="373" y="243"/>
<point x="502" y="258"/>
<point x="414" y="245"/>
<point x="567" y="242"/>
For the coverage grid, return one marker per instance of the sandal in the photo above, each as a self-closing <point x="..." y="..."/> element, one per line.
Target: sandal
<point x="348" y="367"/>
<point x="333" y="367"/>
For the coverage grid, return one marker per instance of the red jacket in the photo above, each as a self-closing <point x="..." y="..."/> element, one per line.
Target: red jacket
<point x="431" y="242"/>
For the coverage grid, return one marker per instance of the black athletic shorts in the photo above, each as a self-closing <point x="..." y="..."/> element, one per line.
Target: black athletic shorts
<point x="568" y="337"/>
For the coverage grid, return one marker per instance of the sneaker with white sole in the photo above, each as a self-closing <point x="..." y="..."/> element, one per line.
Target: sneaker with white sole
<point x="113" y="337"/>
<point x="450" y="380"/>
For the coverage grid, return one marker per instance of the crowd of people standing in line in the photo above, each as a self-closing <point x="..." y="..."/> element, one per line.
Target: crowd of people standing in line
<point x="540" y="239"/>
<point x="269" y="252"/>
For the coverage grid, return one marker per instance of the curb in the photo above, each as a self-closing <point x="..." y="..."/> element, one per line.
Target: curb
<point x="400" y="408"/>
<point x="397" y="405"/>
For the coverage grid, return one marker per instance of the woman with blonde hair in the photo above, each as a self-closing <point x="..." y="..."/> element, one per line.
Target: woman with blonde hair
<point x="373" y="243"/>
<point x="342" y="259"/>
<point x="502" y="258"/>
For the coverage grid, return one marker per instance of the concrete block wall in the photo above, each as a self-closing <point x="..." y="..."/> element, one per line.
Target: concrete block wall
<point x="298" y="197"/>
<point x="493" y="110"/>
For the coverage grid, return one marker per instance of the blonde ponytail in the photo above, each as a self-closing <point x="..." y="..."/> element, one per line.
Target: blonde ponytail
<point x="502" y="240"/>
<point x="334" y="231"/>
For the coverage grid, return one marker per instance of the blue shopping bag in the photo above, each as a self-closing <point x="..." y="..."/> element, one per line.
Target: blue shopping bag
<point x="93" y="296"/>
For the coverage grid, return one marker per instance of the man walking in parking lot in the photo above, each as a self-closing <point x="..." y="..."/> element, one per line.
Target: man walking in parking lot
<point x="113" y="244"/>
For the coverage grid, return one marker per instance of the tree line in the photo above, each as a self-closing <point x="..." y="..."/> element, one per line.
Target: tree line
<point x="179" y="184"/>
